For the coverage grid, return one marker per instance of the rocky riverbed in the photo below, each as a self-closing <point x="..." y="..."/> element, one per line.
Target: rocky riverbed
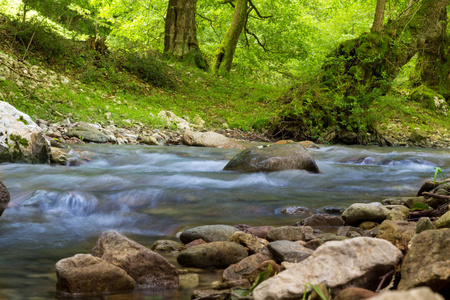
<point x="383" y="250"/>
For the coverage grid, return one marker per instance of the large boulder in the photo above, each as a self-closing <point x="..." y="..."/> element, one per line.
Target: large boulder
<point x="273" y="158"/>
<point x="212" y="255"/>
<point x="147" y="268"/>
<point x="86" y="275"/>
<point x="209" y="139"/>
<point x="338" y="264"/>
<point x="21" y="140"/>
<point x="208" y="233"/>
<point x="360" y="212"/>
<point x="4" y="197"/>
<point x="427" y="262"/>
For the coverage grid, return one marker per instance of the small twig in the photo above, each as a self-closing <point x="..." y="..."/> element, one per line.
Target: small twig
<point x="383" y="278"/>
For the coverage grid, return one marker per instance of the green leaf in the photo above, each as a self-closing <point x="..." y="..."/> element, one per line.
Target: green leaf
<point x="261" y="277"/>
<point x="419" y="206"/>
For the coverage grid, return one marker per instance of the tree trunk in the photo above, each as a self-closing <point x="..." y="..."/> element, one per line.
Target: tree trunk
<point x="181" y="33"/>
<point x="357" y="72"/>
<point x="379" y="16"/>
<point x="224" y="55"/>
<point x="433" y="64"/>
<point x="374" y="59"/>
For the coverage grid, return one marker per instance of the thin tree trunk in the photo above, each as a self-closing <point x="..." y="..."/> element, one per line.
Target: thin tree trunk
<point x="379" y="16"/>
<point x="224" y="55"/>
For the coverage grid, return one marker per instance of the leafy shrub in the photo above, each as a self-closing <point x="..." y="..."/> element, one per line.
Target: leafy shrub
<point x="38" y="36"/>
<point x="149" y="69"/>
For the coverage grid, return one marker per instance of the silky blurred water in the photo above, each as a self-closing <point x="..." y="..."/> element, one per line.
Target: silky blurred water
<point x="151" y="193"/>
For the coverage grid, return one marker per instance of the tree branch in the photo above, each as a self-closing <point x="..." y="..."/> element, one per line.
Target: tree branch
<point x="210" y="24"/>
<point x="257" y="12"/>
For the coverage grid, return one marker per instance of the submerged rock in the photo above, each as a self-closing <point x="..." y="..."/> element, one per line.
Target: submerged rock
<point x="147" y="268"/>
<point x="86" y="275"/>
<point x="273" y="158"/>
<point x="21" y="140"/>
<point x="4" y="197"/>
<point x="337" y="265"/>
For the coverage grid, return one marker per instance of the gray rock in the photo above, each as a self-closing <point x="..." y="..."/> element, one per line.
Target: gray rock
<point x="208" y="233"/>
<point x="427" y="262"/>
<point x="291" y="233"/>
<point x="322" y="220"/>
<point x="422" y="293"/>
<point x="88" y="134"/>
<point x="328" y="237"/>
<point x="360" y="212"/>
<point x="423" y="224"/>
<point x="245" y="267"/>
<point x="86" y="275"/>
<point x="354" y="262"/>
<point x="211" y="294"/>
<point x="273" y="158"/>
<point x="214" y="254"/>
<point x="288" y="251"/>
<point x="147" y="268"/>
<point x="21" y="140"/>
<point x="4" y="197"/>
<point x="209" y="139"/>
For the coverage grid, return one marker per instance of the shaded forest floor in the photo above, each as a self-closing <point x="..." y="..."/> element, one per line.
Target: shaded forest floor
<point x="52" y="78"/>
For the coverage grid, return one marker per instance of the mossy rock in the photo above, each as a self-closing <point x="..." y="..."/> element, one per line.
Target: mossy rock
<point x="425" y="96"/>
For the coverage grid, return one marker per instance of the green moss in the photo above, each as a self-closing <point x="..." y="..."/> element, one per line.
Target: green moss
<point x="21" y="119"/>
<point x="425" y="96"/>
<point x="19" y="140"/>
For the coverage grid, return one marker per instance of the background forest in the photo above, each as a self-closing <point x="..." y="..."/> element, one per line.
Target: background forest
<point x="359" y="71"/>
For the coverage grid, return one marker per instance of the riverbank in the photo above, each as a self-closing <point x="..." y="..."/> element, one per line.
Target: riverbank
<point x="231" y="106"/>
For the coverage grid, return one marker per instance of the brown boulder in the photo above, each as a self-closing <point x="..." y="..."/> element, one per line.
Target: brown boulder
<point x="147" y="268"/>
<point x="427" y="262"/>
<point x="86" y="275"/>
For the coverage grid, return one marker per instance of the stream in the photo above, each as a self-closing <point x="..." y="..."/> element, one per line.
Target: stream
<point x="150" y="193"/>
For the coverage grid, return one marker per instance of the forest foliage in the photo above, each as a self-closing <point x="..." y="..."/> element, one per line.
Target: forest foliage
<point x="308" y="46"/>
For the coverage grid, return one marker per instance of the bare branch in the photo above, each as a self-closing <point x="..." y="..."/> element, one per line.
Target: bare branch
<point x="210" y="24"/>
<point x="257" y="11"/>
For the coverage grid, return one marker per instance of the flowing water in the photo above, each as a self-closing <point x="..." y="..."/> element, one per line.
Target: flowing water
<point x="151" y="193"/>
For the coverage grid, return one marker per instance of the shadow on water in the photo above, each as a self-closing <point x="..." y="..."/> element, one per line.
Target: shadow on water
<point x="149" y="193"/>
